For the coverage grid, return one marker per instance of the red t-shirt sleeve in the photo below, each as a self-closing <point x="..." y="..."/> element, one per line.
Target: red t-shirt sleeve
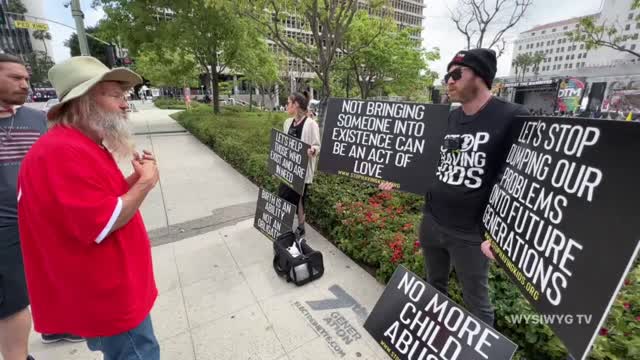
<point x="85" y="200"/>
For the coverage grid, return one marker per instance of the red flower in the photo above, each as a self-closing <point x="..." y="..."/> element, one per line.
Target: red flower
<point x="385" y="195"/>
<point x="627" y="306"/>
<point x="627" y="282"/>
<point x="339" y="208"/>
<point x="416" y="245"/>
<point x="638" y="318"/>
<point x="397" y="253"/>
<point x="407" y="226"/>
<point x="604" y="332"/>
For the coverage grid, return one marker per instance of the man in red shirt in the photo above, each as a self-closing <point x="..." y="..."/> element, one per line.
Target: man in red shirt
<point x="86" y="252"/>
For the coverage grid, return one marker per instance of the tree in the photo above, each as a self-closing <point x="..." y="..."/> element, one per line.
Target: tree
<point x="260" y="67"/>
<point x="43" y="36"/>
<point x="594" y="35"/>
<point x="97" y="49"/>
<point x="174" y="69"/>
<point x="210" y="31"/>
<point x="484" y="22"/>
<point x="39" y="64"/>
<point x="326" y="20"/>
<point x="525" y="63"/>
<point x="390" y="63"/>
<point x="16" y="6"/>
<point x="521" y="63"/>
<point x="536" y="60"/>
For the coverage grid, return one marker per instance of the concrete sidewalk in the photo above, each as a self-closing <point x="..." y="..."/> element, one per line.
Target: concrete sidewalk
<point x="219" y="296"/>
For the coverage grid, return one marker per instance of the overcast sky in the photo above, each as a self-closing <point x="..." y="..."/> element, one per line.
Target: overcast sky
<point x="439" y="31"/>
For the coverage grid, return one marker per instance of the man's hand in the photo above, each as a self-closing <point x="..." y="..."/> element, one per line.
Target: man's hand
<point x="146" y="176"/>
<point x="386" y="186"/>
<point x="486" y="249"/>
<point x="147" y="171"/>
<point x="146" y="155"/>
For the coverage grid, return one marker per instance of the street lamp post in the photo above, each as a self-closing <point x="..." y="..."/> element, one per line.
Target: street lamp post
<point x="78" y="16"/>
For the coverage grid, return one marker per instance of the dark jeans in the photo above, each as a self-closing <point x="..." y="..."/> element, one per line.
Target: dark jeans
<point x="442" y="249"/>
<point x="13" y="286"/>
<point x="137" y="344"/>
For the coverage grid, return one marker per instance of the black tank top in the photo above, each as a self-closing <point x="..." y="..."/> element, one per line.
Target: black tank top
<point x="296" y="130"/>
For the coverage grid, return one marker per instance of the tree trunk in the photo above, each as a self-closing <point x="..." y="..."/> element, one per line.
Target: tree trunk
<point x="326" y="85"/>
<point x="215" y="89"/>
<point x="348" y="84"/>
<point x="364" y="90"/>
<point x="250" y="96"/>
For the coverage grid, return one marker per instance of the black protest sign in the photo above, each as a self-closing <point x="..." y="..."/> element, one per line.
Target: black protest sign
<point x="380" y="141"/>
<point x="563" y="219"/>
<point x="288" y="159"/>
<point x="413" y="320"/>
<point x="274" y="215"/>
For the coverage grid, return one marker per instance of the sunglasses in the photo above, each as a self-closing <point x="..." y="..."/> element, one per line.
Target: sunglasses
<point x="454" y="74"/>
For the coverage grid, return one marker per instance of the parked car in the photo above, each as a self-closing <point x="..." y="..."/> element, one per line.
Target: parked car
<point x="49" y="105"/>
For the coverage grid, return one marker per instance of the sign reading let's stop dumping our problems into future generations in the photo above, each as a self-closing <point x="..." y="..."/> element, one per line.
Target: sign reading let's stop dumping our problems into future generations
<point x="563" y="219"/>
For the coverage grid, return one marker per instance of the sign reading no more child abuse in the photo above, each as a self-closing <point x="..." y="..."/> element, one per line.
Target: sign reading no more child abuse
<point x="288" y="159"/>
<point x="563" y="219"/>
<point x="274" y="215"/>
<point x="381" y="141"/>
<point x="414" y="321"/>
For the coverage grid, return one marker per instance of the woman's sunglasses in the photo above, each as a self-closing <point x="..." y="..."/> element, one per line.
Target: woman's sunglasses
<point x="454" y="74"/>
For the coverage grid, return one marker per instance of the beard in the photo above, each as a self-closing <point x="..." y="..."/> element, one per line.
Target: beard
<point x="114" y="131"/>
<point x="465" y="94"/>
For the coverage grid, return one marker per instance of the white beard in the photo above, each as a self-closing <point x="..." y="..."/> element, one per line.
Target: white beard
<point x="114" y="131"/>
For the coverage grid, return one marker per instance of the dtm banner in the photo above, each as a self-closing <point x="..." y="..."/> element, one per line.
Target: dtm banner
<point x="274" y="215"/>
<point x="412" y="320"/>
<point x="380" y="141"/>
<point x="288" y="159"/>
<point x="564" y="219"/>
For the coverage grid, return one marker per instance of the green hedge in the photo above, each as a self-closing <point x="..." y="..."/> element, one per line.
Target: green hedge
<point x="380" y="230"/>
<point x="175" y="104"/>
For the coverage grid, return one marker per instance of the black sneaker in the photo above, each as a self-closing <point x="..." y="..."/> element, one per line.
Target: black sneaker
<point x="53" y="338"/>
<point x="29" y="357"/>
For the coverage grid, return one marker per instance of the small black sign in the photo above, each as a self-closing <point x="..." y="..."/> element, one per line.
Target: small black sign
<point x="381" y="141"/>
<point x="288" y="159"/>
<point x="274" y="215"/>
<point x="413" y="320"/>
<point x="563" y="219"/>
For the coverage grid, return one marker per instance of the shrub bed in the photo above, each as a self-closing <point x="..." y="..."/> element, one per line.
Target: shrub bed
<point x="380" y="230"/>
<point x="176" y="104"/>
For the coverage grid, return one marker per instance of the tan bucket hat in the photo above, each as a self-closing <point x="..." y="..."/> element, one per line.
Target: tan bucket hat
<point x="76" y="76"/>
